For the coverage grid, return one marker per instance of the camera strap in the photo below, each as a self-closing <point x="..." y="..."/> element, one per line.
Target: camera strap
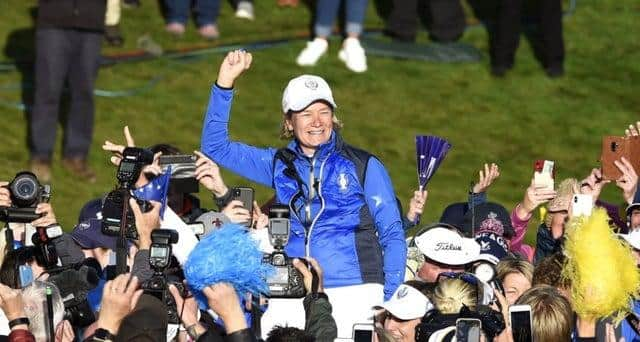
<point x="256" y="316"/>
<point x="634" y="322"/>
<point x="121" y="244"/>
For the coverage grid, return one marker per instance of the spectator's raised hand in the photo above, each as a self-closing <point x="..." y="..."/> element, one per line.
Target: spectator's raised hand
<point x="208" y="174"/>
<point x="145" y="222"/>
<point x="628" y="182"/>
<point x="236" y="212"/>
<point x="416" y="205"/>
<point x="119" y="297"/>
<point x="593" y="184"/>
<point x="64" y="332"/>
<point x="223" y="300"/>
<point x="260" y="220"/>
<point x="11" y="302"/>
<point x="486" y="178"/>
<point x="48" y="216"/>
<point x="117" y="149"/>
<point x="5" y="195"/>
<point x="633" y="131"/>
<point x="233" y="65"/>
<point x="534" y="196"/>
<point x="307" y="275"/>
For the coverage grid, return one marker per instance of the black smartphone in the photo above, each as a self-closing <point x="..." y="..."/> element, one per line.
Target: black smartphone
<point x="468" y="330"/>
<point x="244" y="195"/>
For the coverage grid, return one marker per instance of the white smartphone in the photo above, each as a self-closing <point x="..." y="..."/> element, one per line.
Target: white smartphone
<point x="468" y="329"/>
<point x="581" y="205"/>
<point x="363" y="332"/>
<point x="521" y="323"/>
<point x="543" y="174"/>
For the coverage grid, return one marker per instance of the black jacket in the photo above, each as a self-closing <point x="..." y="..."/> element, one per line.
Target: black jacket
<point x="546" y="244"/>
<point x="73" y="14"/>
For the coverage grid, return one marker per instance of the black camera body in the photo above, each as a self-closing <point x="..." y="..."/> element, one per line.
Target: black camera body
<point x="43" y="249"/>
<point x="287" y="282"/>
<point x="134" y="159"/>
<point x="26" y="193"/>
<point x="112" y="208"/>
<point x="159" y="260"/>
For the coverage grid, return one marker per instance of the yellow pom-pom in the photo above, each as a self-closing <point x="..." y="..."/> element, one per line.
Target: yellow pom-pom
<point x="601" y="268"/>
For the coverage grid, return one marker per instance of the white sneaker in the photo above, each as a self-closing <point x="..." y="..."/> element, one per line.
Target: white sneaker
<point x="312" y="53"/>
<point x="245" y="10"/>
<point x="352" y="54"/>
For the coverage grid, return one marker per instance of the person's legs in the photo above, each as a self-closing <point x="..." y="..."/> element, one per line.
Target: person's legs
<point x="551" y="36"/>
<point x="326" y="11"/>
<point x="52" y="53"/>
<point x="403" y="20"/>
<point x="352" y="53"/>
<point x="82" y="76"/>
<point x="177" y="15"/>
<point x="207" y="14"/>
<point x="506" y="37"/>
<point x="447" y="20"/>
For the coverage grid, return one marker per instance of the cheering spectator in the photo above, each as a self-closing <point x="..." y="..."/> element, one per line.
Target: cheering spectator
<point x="403" y="312"/>
<point x="551" y="314"/>
<point x="343" y="209"/>
<point x="516" y="276"/>
<point x="444" y="250"/>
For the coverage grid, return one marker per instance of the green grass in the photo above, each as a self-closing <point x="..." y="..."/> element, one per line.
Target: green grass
<point x="510" y="121"/>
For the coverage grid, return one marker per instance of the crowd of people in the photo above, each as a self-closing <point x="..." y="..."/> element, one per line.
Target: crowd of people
<point x="365" y="266"/>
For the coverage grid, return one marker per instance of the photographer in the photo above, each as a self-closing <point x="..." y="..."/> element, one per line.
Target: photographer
<point x="344" y="210"/>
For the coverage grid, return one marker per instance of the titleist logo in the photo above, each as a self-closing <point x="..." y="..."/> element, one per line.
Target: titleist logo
<point x="447" y="246"/>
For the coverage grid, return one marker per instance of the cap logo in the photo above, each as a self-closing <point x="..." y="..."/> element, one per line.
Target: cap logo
<point x="311" y="84"/>
<point x="447" y="246"/>
<point x="403" y="292"/>
<point x="84" y="225"/>
<point x="492" y="224"/>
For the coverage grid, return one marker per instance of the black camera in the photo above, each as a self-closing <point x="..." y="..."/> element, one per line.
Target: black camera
<point x="26" y="193"/>
<point x="114" y="215"/>
<point x="43" y="249"/>
<point x="287" y="282"/>
<point x="134" y="159"/>
<point x="159" y="260"/>
<point x="112" y="208"/>
<point x="75" y="281"/>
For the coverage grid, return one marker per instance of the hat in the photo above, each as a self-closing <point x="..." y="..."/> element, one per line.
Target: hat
<point x="407" y="303"/>
<point x="147" y="322"/>
<point x="633" y="238"/>
<point x="447" y="247"/>
<point x="88" y="234"/>
<point x="631" y="207"/>
<point x="454" y="215"/>
<point x="488" y="218"/>
<point x="564" y="194"/>
<point x="303" y="91"/>
<point x="493" y="248"/>
<point x="91" y="209"/>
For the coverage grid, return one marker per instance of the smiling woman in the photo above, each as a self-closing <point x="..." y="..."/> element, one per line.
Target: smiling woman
<point x="342" y="205"/>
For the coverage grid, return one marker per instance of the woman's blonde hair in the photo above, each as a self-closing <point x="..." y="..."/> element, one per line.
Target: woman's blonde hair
<point x="512" y="264"/>
<point x="286" y="133"/>
<point x="451" y="294"/>
<point x="551" y="312"/>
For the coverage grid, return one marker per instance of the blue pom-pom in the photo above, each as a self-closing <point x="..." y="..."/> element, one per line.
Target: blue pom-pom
<point x="227" y="255"/>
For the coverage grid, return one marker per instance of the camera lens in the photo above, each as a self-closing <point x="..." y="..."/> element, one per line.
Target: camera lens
<point x="24" y="189"/>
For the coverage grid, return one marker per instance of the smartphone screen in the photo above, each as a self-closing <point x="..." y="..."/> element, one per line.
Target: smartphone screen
<point x="26" y="275"/>
<point x="363" y="335"/>
<point x="468" y="330"/>
<point x="521" y="326"/>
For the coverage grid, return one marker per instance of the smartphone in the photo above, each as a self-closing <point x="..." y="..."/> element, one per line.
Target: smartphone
<point x="363" y="332"/>
<point x="543" y="175"/>
<point x="468" y="330"/>
<point x="244" y="195"/>
<point x="26" y="276"/>
<point x="614" y="148"/>
<point x="581" y="205"/>
<point x="521" y="324"/>
<point x="183" y="169"/>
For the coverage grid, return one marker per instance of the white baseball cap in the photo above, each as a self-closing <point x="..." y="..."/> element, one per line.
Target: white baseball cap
<point x="447" y="247"/>
<point x="407" y="303"/>
<point x="633" y="238"/>
<point x="305" y="90"/>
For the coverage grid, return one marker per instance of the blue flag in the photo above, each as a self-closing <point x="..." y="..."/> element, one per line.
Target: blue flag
<point x="156" y="190"/>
